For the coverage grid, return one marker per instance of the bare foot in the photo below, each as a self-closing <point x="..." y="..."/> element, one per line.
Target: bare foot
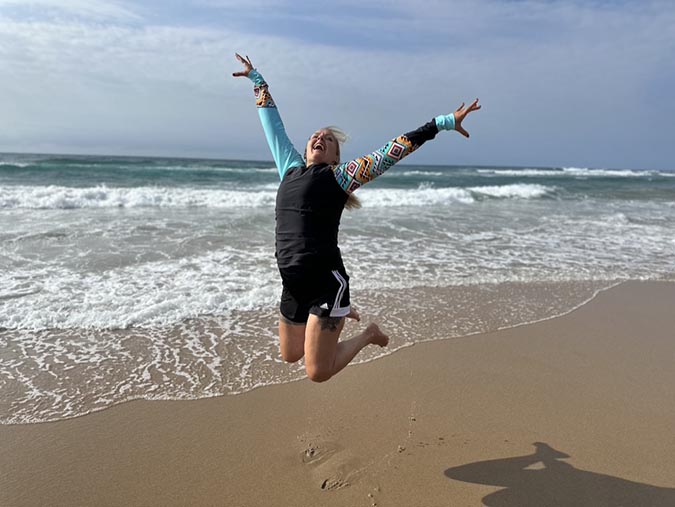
<point x="376" y="336"/>
<point x="353" y="314"/>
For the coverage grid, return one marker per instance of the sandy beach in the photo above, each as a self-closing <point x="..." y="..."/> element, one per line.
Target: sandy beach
<point x="573" y="411"/>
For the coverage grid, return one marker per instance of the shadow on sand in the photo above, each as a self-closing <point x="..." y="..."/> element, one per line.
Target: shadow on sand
<point x="542" y="479"/>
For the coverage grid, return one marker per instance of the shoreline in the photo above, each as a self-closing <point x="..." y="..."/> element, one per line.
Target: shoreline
<point x="410" y="316"/>
<point x="575" y="410"/>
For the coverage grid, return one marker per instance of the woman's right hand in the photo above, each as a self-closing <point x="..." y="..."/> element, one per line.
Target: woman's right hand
<point x="248" y="66"/>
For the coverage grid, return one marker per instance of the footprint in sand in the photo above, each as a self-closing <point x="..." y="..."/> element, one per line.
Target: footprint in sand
<point x="332" y="467"/>
<point x="315" y="452"/>
<point x="337" y="473"/>
<point x="333" y="483"/>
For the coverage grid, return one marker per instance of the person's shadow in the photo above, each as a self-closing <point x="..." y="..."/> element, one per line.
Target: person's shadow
<point x="543" y="480"/>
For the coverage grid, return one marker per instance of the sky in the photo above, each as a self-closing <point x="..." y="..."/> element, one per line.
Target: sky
<point x="562" y="83"/>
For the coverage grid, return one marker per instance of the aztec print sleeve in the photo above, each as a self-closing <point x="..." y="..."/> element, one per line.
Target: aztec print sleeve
<point x="356" y="173"/>
<point x="285" y="155"/>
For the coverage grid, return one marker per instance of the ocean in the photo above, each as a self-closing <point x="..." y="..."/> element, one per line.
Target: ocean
<point x="154" y="278"/>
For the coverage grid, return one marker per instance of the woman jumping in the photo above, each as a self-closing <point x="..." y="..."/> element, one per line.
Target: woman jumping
<point x="313" y="192"/>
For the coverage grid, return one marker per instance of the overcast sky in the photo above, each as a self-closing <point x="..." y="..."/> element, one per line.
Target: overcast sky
<point x="563" y="83"/>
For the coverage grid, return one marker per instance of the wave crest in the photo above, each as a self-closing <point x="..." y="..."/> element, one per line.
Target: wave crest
<point x="56" y="197"/>
<point x="515" y="191"/>
<point x="426" y="195"/>
<point x="576" y="172"/>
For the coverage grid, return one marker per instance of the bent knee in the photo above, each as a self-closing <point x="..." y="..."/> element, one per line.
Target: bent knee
<point x="317" y="373"/>
<point x="292" y="357"/>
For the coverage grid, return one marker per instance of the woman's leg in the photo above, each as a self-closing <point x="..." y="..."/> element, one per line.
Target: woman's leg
<point x="291" y="340"/>
<point x="324" y="355"/>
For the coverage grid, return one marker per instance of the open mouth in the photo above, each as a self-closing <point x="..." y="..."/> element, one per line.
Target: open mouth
<point x="319" y="147"/>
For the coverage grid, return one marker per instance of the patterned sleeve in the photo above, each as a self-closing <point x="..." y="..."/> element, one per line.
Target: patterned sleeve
<point x="284" y="153"/>
<point x="356" y="173"/>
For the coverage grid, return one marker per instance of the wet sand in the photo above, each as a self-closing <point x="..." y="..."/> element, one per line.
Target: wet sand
<point x="577" y="410"/>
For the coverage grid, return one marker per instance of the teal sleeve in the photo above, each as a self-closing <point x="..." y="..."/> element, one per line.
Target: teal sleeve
<point x="284" y="153"/>
<point x="445" y="121"/>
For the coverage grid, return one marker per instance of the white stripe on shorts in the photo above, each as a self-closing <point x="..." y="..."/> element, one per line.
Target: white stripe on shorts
<point x="338" y="311"/>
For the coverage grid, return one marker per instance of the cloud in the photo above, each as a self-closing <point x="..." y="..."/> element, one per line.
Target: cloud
<point x="563" y="83"/>
<point x="90" y="9"/>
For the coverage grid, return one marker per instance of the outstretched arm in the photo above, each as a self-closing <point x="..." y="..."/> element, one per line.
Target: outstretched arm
<point x="356" y="173"/>
<point x="285" y="155"/>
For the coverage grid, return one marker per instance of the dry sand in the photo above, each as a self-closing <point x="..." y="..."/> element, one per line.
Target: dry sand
<point x="574" y="411"/>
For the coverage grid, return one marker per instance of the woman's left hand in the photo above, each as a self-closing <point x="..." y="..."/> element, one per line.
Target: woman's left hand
<point x="461" y="113"/>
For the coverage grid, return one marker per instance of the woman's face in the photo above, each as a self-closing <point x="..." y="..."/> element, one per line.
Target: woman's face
<point x="322" y="148"/>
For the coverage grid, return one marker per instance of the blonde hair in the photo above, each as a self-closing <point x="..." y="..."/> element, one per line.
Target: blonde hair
<point x="341" y="136"/>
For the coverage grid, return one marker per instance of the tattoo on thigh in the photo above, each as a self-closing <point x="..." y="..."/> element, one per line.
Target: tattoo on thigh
<point x="330" y="323"/>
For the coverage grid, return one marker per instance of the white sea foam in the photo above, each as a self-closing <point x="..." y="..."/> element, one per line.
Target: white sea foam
<point x="614" y="173"/>
<point x="57" y="197"/>
<point x="417" y="173"/>
<point x="150" y="294"/>
<point x="521" y="172"/>
<point x="577" y="172"/>
<point x="424" y="195"/>
<point x="161" y="274"/>
<point x="515" y="191"/>
<point x="16" y="164"/>
<point x="73" y="372"/>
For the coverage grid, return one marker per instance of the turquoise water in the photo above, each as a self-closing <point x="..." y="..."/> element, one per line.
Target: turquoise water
<point x="131" y="172"/>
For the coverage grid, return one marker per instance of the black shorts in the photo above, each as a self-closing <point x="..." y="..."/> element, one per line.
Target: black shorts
<point x="323" y="293"/>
